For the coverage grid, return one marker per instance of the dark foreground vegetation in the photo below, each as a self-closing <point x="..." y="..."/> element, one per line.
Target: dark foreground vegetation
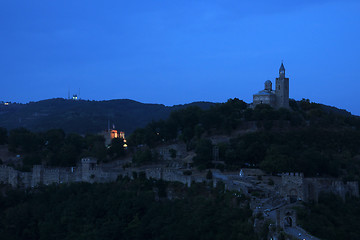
<point x="332" y="218"/>
<point x="124" y="210"/>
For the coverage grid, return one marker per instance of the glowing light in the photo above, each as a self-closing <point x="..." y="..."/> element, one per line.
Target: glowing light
<point x="122" y="135"/>
<point x="114" y="134"/>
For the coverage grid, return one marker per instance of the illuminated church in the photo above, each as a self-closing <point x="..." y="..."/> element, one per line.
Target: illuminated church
<point x="277" y="98"/>
<point x="110" y="134"/>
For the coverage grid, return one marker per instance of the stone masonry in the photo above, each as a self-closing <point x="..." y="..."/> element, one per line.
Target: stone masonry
<point x="295" y="187"/>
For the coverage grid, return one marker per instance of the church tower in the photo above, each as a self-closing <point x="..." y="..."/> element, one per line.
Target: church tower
<point x="282" y="89"/>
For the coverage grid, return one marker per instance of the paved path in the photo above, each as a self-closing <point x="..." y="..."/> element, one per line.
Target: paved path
<point x="297" y="232"/>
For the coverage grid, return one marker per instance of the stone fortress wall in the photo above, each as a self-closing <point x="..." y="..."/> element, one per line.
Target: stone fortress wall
<point x="86" y="171"/>
<point x="295" y="187"/>
<point x="171" y="175"/>
<point x="292" y="185"/>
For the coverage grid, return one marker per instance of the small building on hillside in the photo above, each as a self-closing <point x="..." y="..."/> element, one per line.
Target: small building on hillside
<point x="110" y="134"/>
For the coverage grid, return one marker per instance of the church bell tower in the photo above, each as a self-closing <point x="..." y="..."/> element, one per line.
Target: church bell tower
<point x="282" y="89"/>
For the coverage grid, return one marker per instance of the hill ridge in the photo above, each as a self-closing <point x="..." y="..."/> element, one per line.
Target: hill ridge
<point x="85" y="116"/>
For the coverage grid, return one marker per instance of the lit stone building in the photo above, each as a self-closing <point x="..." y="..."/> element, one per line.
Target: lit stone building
<point x="277" y="98"/>
<point x="110" y="134"/>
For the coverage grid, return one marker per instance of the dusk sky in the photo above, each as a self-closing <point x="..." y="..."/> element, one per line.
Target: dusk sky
<point x="175" y="52"/>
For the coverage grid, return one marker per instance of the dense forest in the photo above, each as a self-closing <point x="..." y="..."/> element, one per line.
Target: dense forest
<point x="57" y="148"/>
<point x="313" y="151"/>
<point x="309" y="138"/>
<point x="193" y="122"/>
<point x="138" y="209"/>
<point x="332" y="218"/>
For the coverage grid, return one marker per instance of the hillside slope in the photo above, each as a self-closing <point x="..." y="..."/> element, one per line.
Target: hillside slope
<point x="85" y="116"/>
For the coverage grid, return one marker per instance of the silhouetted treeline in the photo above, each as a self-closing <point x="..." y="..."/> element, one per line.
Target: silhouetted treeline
<point x="313" y="151"/>
<point x="56" y="148"/>
<point x="124" y="210"/>
<point x="83" y="116"/>
<point x="193" y="122"/>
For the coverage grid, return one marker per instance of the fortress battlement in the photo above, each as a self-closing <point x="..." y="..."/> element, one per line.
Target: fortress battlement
<point x="88" y="160"/>
<point x="293" y="185"/>
<point x="296" y="174"/>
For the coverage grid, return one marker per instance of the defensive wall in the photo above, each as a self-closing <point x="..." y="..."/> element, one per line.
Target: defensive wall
<point x="86" y="171"/>
<point x="295" y="187"/>
<point x="172" y="175"/>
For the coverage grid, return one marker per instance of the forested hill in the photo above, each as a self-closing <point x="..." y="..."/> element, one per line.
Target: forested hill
<point x="85" y="116"/>
<point x="309" y="137"/>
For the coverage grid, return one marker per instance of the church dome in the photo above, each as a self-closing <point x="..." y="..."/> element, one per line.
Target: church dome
<point x="268" y="85"/>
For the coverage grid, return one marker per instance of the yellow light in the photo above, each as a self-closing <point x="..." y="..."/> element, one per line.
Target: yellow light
<point x="125" y="145"/>
<point x="122" y="135"/>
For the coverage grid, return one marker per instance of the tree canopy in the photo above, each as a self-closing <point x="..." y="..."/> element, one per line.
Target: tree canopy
<point x="124" y="210"/>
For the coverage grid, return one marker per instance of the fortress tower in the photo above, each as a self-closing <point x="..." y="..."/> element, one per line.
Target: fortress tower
<point x="282" y="89"/>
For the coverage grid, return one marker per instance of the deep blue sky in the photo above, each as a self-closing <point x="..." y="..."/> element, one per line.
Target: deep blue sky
<point x="179" y="51"/>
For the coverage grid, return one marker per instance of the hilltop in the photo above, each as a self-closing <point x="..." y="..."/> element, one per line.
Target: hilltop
<point x="83" y="116"/>
<point x="310" y="138"/>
